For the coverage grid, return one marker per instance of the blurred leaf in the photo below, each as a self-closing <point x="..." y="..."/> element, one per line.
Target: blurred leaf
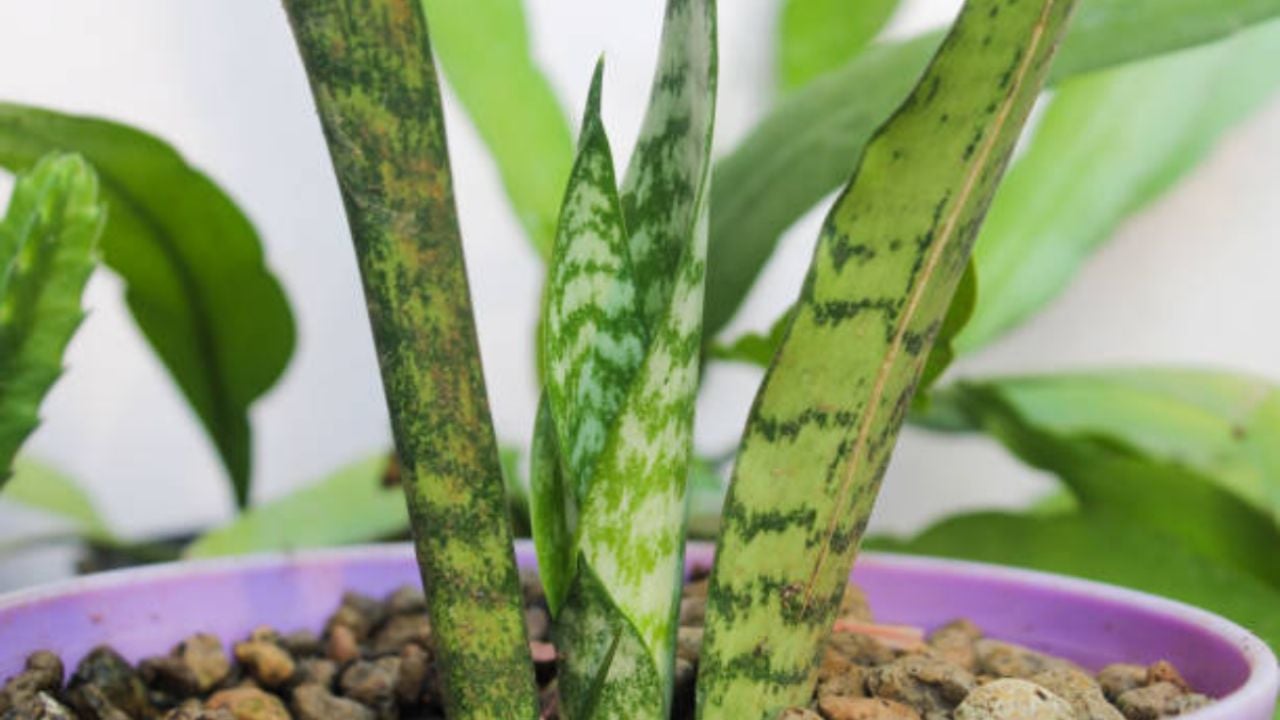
<point x="816" y="36"/>
<point x="958" y="315"/>
<point x="39" y="486"/>
<point x="1106" y="548"/>
<point x="483" y="47"/>
<point x="1191" y="454"/>
<point x="517" y="490"/>
<point x="754" y="348"/>
<point x="192" y="266"/>
<point x="48" y="249"/>
<point x="1108" y="144"/>
<point x="353" y="505"/>
<point x="891" y="255"/>
<point x="807" y="145"/>
<point x="706" y="499"/>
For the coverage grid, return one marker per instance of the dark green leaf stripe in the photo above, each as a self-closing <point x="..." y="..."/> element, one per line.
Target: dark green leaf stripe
<point x="48" y="248"/>
<point x="888" y="261"/>
<point x="195" y="279"/>
<point x="371" y="71"/>
<point x="805" y="148"/>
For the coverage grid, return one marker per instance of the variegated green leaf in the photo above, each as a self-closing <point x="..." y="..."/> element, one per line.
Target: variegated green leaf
<point x="593" y="336"/>
<point x="890" y="256"/>
<point x="553" y="512"/>
<point x="374" y="81"/>
<point x="48" y="248"/>
<point x="605" y="300"/>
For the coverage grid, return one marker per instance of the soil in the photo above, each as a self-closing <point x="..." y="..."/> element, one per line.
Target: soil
<point x="373" y="662"/>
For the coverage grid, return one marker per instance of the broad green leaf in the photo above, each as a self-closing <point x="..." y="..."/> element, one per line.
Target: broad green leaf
<point x="1107" y="472"/>
<point x="621" y="342"/>
<point x="374" y="81"/>
<point x="192" y="265"/>
<point x="1107" y="145"/>
<point x="1106" y="548"/>
<point x="817" y="36"/>
<point x="483" y="48"/>
<point x="48" y="248"/>
<point x="39" y="486"/>
<point x="1222" y="426"/>
<point x="889" y="259"/>
<point x="352" y="505"/>
<point x="806" y="147"/>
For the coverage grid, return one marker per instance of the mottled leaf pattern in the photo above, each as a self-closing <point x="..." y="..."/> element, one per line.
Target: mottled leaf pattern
<point x="888" y="261"/>
<point x="621" y="339"/>
<point x="371" y="71"/>
<point x="808" y="144"/>
<point x="48" y="248"/>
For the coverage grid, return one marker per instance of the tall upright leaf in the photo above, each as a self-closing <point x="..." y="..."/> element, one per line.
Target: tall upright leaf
<point x="817" y="36"/>
<point x="818" y="441"/>
<point x="807" y="146"/>
<point x="620" y="344"/>
<point x="1108" y="144"/>
<point x="48" y="248"/>
<point x="192" y="265"/>
<point x="483" y="47"/>
<point x="374" y="81"/>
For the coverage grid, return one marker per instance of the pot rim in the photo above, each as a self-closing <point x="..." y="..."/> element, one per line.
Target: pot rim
<point x="1257" y="689"/>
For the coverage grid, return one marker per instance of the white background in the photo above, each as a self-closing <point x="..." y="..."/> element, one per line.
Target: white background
<point x="1188" y="281"/>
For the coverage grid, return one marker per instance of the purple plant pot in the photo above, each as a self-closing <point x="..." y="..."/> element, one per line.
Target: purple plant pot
<point x="145" y="611"/>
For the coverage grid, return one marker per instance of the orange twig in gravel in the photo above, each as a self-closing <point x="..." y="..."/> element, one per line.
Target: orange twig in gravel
<point x="898" y="637"/>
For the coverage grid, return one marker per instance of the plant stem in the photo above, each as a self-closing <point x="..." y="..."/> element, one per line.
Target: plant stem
<point x="372" y="75"/>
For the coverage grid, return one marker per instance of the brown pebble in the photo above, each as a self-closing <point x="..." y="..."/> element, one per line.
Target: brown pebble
<point x="1156" y="701"/>
<point x="921" y="681"/>
<point x="689" y="643"/>
<point x="1119" y="678"/>
<point x="1013" y="699"/>
<point x="40" y="706"/>
<point x="846" y="708"/>
<point x="538" y="622"/>
<point x="1080" y="691"/>
<point x="861" y="649"/>
<point x="411" y="682"/>
<point x="313" y="702"/>
<point x="342" y="647"/>
<point x="203" y="653"/>
<point x="693" y="611"/>
<point x="320" y="671"/>
<point x="1162" y="671"/>
<point x="266" y="662"/>
<point x="93" y="703"/>
<point x="954" y="643"/>
<point x="1004" y="659"/>
<point x="372" y="682"/>
<point x="195" y="710"/>
<point x="798" y="713"/>
<point x="407" y="600"/>
<point x="170" y="675"/>
<point x="852" y="683"/>
<point x="302" y="643"/>
<point x="248" y="703"/>
<point x="104" y="671"/>
<point x="401" y="630"/>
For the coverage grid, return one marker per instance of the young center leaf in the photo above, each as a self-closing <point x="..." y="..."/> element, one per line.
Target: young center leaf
<point x="374" y="81"/>
<point x="621" y="340"/>
<point x="888" y="260"/>
<point x="48" y="248"/>
<point x="192" y="264"/>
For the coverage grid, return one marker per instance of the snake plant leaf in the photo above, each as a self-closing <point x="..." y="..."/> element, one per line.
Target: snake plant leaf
<point x="817" y="36"/>
<point x="38" y="486"/>
<point x="889" y="258"/>
<point x="553" y="512"/>
<point x="192" y="264"/>
<point x="373" y="77"/>
<point x="1107" y="145"/>
<point x="483" y="49"/>
<point x="593" y="334"/>
<point x="352" y="505"/>
<point x="1107" y="548"/>
<point x="48" y="248"/>
<point x="628" y="292"/>
<point x="807" y="146"/>
<point x="1224" y="428"/>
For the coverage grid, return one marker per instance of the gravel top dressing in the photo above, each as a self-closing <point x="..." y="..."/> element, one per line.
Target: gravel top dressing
<point x="373" y="662"/>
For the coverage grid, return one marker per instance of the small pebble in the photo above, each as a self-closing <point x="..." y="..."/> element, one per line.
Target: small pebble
<point x="203" y="653"/>
<point x="1156" y="701"/>
<point x="267" y="662"/>
<point x="1013" y="699"/>
<point x="313" y="702"/>
<point x="249" y="703"/>
<point x="342" y="645"/>
<point x="1119" y="678"/>
<point x="843" y="708"/>
<point x="921" y="681"/>
<point x="1080" y="691"/>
